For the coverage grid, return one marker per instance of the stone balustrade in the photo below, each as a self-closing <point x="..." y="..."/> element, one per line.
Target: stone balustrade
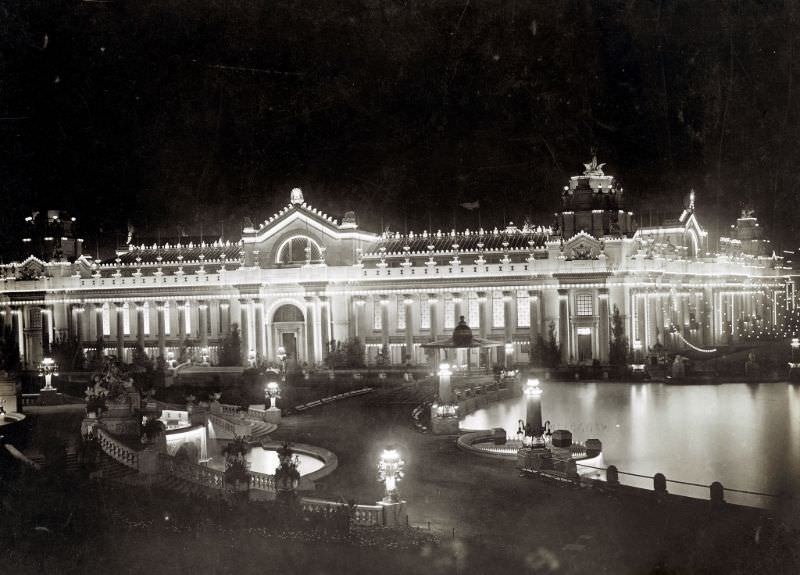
<point x="366" y="515"/>
<point x="117" y="450"/>
<point x="191" y="472"/>
<point x="239" y="429"/>
<point x="262" y="481"/>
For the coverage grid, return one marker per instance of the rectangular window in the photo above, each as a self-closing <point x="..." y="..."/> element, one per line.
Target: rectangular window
<point x="523" y="309"/>
<point x="449" y="312"/>
<point x="424" y="312"/>
<point x="498" y="310"/>
<point x="126" y="319"/>
<point x="187" y="314"/>
<point x="146" y="314"/>
<point x="473" y="310"/>
<point x="106" y="319"/>
<point x="401" y="314"/>
<point x="166" y="318"/>
<point x="584" y="304"/>
<point x="377" y="315"/>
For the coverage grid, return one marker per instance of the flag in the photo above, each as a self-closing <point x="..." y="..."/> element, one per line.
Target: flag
<point x="471" y="205"/>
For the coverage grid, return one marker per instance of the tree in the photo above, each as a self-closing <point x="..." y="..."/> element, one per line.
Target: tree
<point x="9" y="351"/>
<point x="231" y="352"/>
<point x="552" y="355"/>
<point x="618" y="349"/>
<point x="68" y="354"/>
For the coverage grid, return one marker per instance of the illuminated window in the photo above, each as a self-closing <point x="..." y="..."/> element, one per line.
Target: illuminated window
<point x="166" y="318"/>
<point x="449" y="312"/>
<point x="126" y="319"/>
<point x="473" y="309"/>
<point x="299" y="250"/>
<point x="424" y="312"/>
<point x="523" y="309"/>
<point x="401" y="314"/>
<point x="584" y="304"/>
<point x="498" y="310"/>
<point x="187" y="314"/>
<point x="146" y="314"/>
<point x="377" y="315"/>
<point x="106" y="319"/>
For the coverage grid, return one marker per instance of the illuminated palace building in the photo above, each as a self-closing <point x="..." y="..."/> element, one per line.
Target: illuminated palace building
<point x="303" y="280"/>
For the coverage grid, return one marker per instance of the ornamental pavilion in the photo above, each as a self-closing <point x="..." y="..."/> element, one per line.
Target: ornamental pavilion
<point x="302" y="279"/>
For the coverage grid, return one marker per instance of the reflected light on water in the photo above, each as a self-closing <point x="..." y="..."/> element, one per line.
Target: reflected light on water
<point x="746" y="436"/>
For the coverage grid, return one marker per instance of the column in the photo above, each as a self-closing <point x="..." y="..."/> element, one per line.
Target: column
<point x="162" y="338"/>
<point x="225" y="318"/>
<point x="48" y="330"/>
<point x="309" y="317"/>
<point x="17" y="322"/>
<point x="181" y="305"/>
<point x="433" y="301"/>
<point x="202" y="323"/>
<point x="261" y="350"/>
<point x="603" y="339"/>
<point x="78" y="323"/>
<point x="563" y="324"/>
<point x="508" y="323"/>
<point x="408" y="308"/>
<point x="120" y="331"/>
<point x="457" y="307"/>
<point x="483" y="320"/>
<point x="325" y="324"/>
<point x="534" y="299"/>
<point x="357" y="305"/>
<point x="384" y="303"/>
<point x="659" y="306"/>
<point x="684" y="313"/>
<point x="140" y="325"/>
<point x="244" y="331"/>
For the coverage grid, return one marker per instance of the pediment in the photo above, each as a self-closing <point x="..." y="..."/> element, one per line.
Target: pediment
<point x="582" y="246"/>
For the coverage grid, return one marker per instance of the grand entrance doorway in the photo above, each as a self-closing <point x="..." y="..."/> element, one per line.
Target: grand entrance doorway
<point x="288" y="332"/>
<point x="584" y="344"/>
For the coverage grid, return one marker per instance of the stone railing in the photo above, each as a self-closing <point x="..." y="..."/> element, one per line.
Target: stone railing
<point x="240" y="429"/>
<point x="367" y="515"/>
<point x="28" y="399"/>
<point x="256" y="413"/>
<point x="262" y="481"/>
<point x="117" y="450"/>
<point x="191" y="472"/>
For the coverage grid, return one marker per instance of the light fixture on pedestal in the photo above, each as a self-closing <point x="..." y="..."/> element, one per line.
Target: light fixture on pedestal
<point x="390" y="471"/>
<point x="48" y="368"/>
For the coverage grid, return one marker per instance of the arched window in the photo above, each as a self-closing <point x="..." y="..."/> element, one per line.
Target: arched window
<point x="299" y="250"/>
<point x="287" y="313"/>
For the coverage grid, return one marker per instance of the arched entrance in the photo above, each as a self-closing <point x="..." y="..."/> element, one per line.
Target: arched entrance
<point x="288" y="332"/>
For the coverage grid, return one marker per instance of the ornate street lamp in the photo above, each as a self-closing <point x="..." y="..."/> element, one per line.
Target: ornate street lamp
<point x="272" y="391"/>
<point x="282" y="358"/>
<point x="509" y="349"/>
<point x="793" y="365"/>
<point x="390" y="471"/>
<point x="48" y="368"/>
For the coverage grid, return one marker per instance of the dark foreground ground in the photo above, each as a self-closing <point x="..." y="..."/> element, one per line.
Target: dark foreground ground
<point x="467" y="515"/>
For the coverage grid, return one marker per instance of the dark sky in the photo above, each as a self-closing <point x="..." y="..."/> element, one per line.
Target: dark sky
<point x="170" y="113"/>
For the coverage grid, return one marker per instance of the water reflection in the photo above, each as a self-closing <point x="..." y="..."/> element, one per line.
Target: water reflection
<point x="745" y="436"/>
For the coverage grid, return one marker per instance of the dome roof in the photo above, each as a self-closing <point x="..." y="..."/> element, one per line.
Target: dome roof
<point x="462" y="334"/>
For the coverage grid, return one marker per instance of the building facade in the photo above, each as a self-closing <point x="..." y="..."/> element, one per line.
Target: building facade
<point x="303" y="280"/>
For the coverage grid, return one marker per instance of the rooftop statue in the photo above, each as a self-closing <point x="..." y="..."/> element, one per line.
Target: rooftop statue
<point x="593" y="168"/>
<point x="296" y="196"/>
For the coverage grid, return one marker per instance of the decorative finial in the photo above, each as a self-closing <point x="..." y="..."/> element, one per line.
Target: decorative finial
<point x="297" y="196"/>
<point x="691" y="200"/>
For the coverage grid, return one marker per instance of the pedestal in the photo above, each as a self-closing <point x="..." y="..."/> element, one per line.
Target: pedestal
<point x="273" y="415"/>
<point x="49" y="397"/>
<point x="535" y="459"/>
<point x="394" y="513"/>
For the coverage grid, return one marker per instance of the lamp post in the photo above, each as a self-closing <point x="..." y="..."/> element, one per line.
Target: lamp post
<point x="48" y="369"/>
<point x="390" y="471"/>
<point x="509" y="349"/>
<point x="204" y="353"/>
<point x="282" y="358"/>
<point x="533" y="399"/>
<point x="272" y="391"/>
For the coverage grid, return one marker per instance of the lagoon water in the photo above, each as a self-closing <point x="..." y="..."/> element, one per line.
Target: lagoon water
<point x="746" y="436"/>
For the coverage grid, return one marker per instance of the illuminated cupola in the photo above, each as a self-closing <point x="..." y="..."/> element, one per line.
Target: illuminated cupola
<point x="593" y="203"/>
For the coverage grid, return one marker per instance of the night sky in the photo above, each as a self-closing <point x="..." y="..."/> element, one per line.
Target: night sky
<point x="170" y="114"/>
